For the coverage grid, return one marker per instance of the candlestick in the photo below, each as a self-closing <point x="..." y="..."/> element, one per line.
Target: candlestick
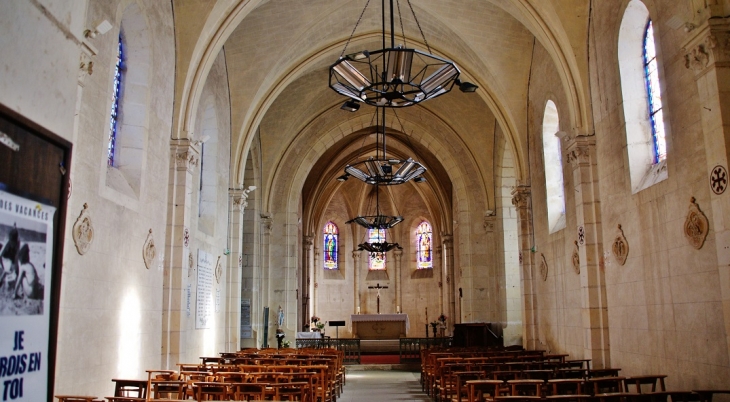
<point x="397" y="309"/>
<point x="358" y="309"/>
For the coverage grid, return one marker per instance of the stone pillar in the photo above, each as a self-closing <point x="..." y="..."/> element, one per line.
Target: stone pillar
<point x="496" y="304"/>
<point x="234" y="272"/>
<point x="185" y="159"/>
<point x="315" y="277"/>
<point x="707" y="54"/>
<point x="264" y="278"/>
<point x="357" y="265"/>
<point x="582" y="157"/>
<point x="398" y="254"/>
<point x="307" y="282"/>
<point x="522" y="200"/>
<point x="448" y="285"/>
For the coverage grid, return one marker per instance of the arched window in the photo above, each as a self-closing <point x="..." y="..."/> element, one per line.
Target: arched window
<point x="643" y="112"/>
<point x="331" y="234"/>
<point x="116" y="92"/>
<point x="377" y="260"/>
<point x="554" y="189"/>
<point x="424" y="245"/>
<point x="651" y="79"/>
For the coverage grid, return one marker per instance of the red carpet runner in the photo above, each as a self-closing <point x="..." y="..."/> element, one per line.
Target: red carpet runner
<point x="379" y="359"/>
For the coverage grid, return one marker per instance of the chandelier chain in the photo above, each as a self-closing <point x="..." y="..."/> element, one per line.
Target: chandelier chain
<point x="402" y="30"/>
<point x="419" y="26"/>
<point x="355" y="28"/>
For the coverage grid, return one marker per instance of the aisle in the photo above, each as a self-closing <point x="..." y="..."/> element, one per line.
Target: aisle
<point x="383" y="385"/>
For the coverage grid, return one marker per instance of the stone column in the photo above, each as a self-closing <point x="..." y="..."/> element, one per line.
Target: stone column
<point x="707" y="54"/>
<point x="264" y="278"/>
<point x="307" y="282"/>
<point x="234" y="272"/>
<point x="315" y="277"/>
<point x="183" y="163"/>
<point x="522" y="200"/>
<point x="582" y="158"/>
<point x="398" y="291"/>
<point x="357" y="265"/>
<point x="448" y="285"/>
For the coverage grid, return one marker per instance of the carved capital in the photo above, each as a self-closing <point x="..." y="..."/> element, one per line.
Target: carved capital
<point x="521" y="197"/>
<point x="308" y="241"/>
<point x="490" y="219"/>
<point x="707" y="45"/>
<point x="185" y="155"/>
<point x="398" y="253"/>
<point x="580" y="148"/>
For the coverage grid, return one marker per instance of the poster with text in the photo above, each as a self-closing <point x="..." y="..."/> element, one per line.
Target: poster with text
<point x="26" y="256"/>
<point x="204" y="299"/>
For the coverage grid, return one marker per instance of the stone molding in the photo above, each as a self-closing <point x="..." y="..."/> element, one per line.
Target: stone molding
<point x="696" y="225"/>
<point x="267" y="222"/>
<point x="489" y="224"/>
<point x="83" y="231"/>
<point x="620" y="247"/>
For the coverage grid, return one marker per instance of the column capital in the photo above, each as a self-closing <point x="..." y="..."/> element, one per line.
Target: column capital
<point x="356" y="255"/>
<point x="580" y="148"/>
<point x="185" y="154"/>
<point x="490" y="220"/>
<point x="521" y="196"/>
<point x="240" y="197"/>
<point x="708" y="45"/>
<point x="308" y="241"/>
<point x="398" y="253"/>
<point x="447" y="239"/>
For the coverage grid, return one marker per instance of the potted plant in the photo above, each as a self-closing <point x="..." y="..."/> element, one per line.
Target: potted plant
<point x="315" y="324"/>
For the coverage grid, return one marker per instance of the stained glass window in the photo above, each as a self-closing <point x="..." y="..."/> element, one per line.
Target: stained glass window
<point x="377" y="260"/>
<point x="424" y="245"/>
<point x="330" y="245"/>
<point x="651" y="79"/>
<point x="113" y="118"/>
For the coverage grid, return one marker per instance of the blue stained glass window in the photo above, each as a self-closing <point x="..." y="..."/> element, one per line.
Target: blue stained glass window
<point x="113" y="118"/>
<point x="330" y="245"/>
<point x="651" y="79"/>
<point x="424" y="246"/>
<point x="377" y="260"/>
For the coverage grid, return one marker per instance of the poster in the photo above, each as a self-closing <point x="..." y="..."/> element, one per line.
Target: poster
<point x="204" y="299"/>
<point x="26" y="256"/>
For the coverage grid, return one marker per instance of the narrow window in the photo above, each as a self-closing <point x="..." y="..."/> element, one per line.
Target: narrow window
<point x="377" y="260"/>
<point x="424" y="246"/>
<point x="552" y="159"/>
<point x="116" y="92"/>
<point x="651" y="79"/>
<point x="330" y="245"/>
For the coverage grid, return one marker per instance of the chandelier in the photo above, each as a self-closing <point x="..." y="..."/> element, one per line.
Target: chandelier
<point x="396" y="76"/>
<point x="379" y="222"/>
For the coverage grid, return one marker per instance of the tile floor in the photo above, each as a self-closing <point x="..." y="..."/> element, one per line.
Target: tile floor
<point x="383" y="385"/>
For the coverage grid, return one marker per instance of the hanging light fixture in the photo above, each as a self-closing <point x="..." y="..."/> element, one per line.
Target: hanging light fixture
<point x="379" y="222"/>
<point x="394" y="76"/>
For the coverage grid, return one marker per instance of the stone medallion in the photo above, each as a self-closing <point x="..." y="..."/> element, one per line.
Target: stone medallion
<point x="575" y="259"/>
<point x="620" y="247"/>
<point x="218" y="270"/>
<point x="696" y="225"/>
<point x="149" y="250"/>
<point x="83" y="231"/>
<point x="718" y="179"/>
<point x="543" y="267"/>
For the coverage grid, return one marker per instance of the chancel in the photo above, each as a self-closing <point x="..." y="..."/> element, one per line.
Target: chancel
<point x="181" y="178"/>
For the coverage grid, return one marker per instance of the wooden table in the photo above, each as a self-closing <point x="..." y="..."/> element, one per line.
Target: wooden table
<point x="639" y="380"/>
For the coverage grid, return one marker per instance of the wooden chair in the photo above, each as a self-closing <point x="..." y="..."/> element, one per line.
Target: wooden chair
<point x="526" y="387"/>
<point x="565" y="386"/>
<point x="639" y="380"/>
<point x="291" y="391"/>
<point x="210" y="391"/>
<point x="479" y="390"/>
<point x="461" y="392"/>
<point x="247" y="391"/>
<point x="133" y="388"/>
<point x="603" y="385"/>
<point x="604" y="372"/>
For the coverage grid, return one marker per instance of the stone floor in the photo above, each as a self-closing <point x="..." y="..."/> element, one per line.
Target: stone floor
<point x="382" y="385"/>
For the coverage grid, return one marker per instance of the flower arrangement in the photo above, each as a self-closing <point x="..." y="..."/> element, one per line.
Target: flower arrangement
<point x="285" y="343"/>
<point x="320" y="325"/>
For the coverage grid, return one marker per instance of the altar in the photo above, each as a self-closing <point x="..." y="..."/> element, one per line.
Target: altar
<point x="379" y="326"/>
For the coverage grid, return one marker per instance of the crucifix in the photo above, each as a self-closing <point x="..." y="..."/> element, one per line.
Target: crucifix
<point x="378" y="287"/>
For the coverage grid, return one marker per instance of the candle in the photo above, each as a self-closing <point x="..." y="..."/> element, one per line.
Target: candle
<point x="358" y="309"/>
<point x="397" y="309"/>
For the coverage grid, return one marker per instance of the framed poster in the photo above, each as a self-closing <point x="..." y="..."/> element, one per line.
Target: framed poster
<point x="204" y="299"/>
<point x="34" y="189"/>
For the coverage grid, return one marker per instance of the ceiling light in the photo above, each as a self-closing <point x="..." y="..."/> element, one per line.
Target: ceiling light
<point x="344" y="177"/>
<point x="466" y="87"/>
